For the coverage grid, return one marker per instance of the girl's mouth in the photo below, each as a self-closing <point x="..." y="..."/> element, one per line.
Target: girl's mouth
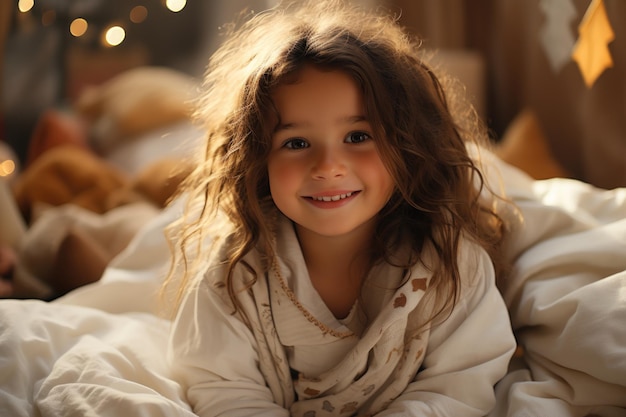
<point x="333" y="197"/>
<point x="332" y="201"/>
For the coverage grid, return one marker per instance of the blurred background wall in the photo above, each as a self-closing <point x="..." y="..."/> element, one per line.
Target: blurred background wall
<point x="501" y="42"/>
<point x="45" y="65"/>
<point x="520" y="43"/>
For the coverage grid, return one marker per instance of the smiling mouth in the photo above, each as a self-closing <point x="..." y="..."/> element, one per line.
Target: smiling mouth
<point x="332" y="197"/>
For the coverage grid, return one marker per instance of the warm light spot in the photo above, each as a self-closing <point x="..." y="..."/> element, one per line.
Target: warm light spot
<point x="78" y="27"/>
<point x="7" y="168"/>
<point x="25" y="5"/>
<point x="138" y="14"/>
<point x="114" y="35"/>
<point x="48" y="17"/>
<point x="175" y="5"/>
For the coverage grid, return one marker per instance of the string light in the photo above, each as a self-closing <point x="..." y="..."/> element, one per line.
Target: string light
<point x="111" y="36"/>
<point x="8" y="163"/>
<point x="138" y="14"/>
<point x="25" y="5"/>
<point x="114" y="35"/>
<point x="7" y="168"/>
<point x="78" y="27"/>
<point x="175" y="5"/>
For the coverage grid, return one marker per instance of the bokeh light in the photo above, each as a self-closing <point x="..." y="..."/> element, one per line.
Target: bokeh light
<point x="138" y="14"/>
<point x="25" y="5"/>
<point x="114" y="36"/>
<point x="175" y="5"/>
<point x="78" y="27"/>
<point x="7" y="168"/>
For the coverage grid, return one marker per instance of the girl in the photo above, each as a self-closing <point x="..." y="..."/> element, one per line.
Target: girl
<point x="347" y="271"/>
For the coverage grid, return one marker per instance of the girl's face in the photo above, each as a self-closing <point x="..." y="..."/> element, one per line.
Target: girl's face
<point x="324" y="169"/>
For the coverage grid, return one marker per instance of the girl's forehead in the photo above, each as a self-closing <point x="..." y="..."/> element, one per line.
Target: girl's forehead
<point x="318" y="91"/>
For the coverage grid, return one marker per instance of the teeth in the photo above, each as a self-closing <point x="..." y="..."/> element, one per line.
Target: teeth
<point x="333" y="198"/>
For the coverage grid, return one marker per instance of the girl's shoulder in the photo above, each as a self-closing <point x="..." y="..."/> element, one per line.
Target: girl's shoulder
<point x="474" y="264"/>
<point x="217" y="264"/>
<point x="471" y="257"/>
<point x="471" y="254"/>
<point x="476" y="269"/>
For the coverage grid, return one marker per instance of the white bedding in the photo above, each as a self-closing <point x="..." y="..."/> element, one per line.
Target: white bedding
<point x="567" y="300"/>
<point x="99" y="351"/>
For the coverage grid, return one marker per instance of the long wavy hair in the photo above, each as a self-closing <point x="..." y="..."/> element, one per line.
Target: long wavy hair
<point x="421" y="140"/>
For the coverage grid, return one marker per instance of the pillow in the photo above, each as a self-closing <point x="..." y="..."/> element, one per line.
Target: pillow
<point x="134" y="102"/>
<point x="525" y="146"/>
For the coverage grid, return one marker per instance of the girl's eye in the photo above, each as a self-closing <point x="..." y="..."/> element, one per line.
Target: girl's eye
<point x="357" y="137"/>
<point x="297" y="143"/>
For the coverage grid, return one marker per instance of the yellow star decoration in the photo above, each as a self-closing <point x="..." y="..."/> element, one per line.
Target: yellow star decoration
<point x="591" y="52"/>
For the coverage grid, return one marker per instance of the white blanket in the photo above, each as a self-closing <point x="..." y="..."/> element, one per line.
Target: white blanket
<point x="100" y="350"/>
<point x="567" y="300"/>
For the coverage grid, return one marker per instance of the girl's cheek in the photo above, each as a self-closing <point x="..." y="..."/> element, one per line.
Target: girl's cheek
<point x="282" y="172"/>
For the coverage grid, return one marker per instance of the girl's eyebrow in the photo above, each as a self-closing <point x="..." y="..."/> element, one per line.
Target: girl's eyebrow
<point x="354" y="119"/>
<point x="343" y="120"/>
<point x="287" y="126"/>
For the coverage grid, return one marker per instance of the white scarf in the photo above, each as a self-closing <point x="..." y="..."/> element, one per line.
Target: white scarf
<point x="376" y="371"/>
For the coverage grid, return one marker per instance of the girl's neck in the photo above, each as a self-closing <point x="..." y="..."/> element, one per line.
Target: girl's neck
<point x="346" y="248"/>
<point x="337" y="265"/>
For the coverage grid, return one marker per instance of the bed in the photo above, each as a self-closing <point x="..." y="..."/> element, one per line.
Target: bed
<point x="100" y="349"/>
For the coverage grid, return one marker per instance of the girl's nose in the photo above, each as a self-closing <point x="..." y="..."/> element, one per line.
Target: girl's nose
<point x="328" y="164"/>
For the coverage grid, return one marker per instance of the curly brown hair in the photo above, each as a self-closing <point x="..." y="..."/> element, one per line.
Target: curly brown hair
<point x="422" y="142"/>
